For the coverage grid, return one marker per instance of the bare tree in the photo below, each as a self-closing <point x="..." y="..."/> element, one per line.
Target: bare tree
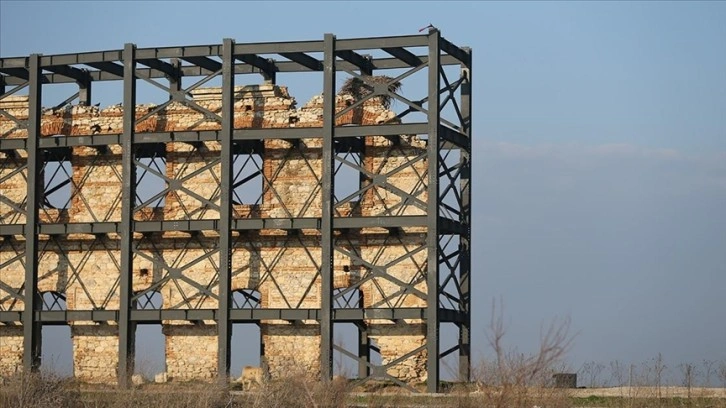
<point x="617" y="373"/>
<point x="659" y="367"/>
<point x="506" y="379"/>
<point x="709" y="368"/>
<point x="592" y="370"/>
<point x="689" y="373"/>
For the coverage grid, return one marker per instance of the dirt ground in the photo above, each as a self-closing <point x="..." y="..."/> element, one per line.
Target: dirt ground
<point x="640" y="392"/>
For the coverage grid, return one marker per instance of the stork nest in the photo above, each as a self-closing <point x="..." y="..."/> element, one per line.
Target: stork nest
<point x="359" y="89"/>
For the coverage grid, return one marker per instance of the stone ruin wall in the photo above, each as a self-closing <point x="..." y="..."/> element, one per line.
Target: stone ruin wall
<point x="84" y="268"/>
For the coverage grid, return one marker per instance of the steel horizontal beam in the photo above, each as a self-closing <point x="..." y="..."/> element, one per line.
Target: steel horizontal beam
<point x="452" y="316"/>
<point x="381" y="130"/>
<point x="372" y="43"/>
<point x="192" y="51"/>
<point x="204" y="62"/>
<point x="76" y="74"/>
<point x="379" y="222"/>
<point x="21" y="73"/>
<point x="11" y="316"/>
<point x="162" y="66"/>
<point x="279" y="47"/>
<point x="275" y="223"/>
<point x="453" y="136"/>
<point x="81" y="58"/>
<point x="172" y="314"/>
<point x="265" y="65"/>
<point x="304" y="60"/>
<point x="235" y="315"/>
<point x="404" y="55"/>
<point x="454" y="51"/>
<point x="195" y="71"/>
<point x="356" y="59"/>
<point x="237" y="225"/>
<point x="213" y="135"/>
<point x="109" y="67"/>
<point x="452" y="227"/>
<point x="61" y="316"/>
<point x="355" y="315"/>
<point x="15" y="62"/>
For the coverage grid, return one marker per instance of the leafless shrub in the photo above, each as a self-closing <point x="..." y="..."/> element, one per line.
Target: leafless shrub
<point x="591" y="371"/>
<point x="187" y="395"/>
<point x="617" y="373"/>
<point x="709" y="369"/>
<point x="688" y="371"/>
<point x="659" y="367"/>
<point x="298" y="389"/>
<point x="515" y="379"/>
<point x="31" y="390"/>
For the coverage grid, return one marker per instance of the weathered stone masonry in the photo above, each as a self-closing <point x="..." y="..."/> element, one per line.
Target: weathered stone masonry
<point x="282" y="267"/>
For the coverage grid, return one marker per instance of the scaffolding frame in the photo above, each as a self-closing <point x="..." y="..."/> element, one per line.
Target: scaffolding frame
<point x="447" y="269"/>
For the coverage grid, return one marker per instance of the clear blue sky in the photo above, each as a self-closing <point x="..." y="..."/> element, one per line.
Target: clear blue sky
<point x="600" y="147"/>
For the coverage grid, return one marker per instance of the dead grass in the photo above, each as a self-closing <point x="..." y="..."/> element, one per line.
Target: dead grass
<point x="37" y="390"/>
<point x="41" y="390"/>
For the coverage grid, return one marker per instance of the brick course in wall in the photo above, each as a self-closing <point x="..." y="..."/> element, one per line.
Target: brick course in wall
<point x="282" y="266"/>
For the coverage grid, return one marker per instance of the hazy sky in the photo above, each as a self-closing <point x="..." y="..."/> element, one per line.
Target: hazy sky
<point x="599" y="147"/>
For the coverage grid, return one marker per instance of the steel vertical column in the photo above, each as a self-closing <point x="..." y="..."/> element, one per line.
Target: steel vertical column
<point x="432" y="211"/>
<point x="126" y="228"/>
<point x="84" y="93"/>
<point x="31" y="327"/>
<point x="326" y="273"/>
<point x="364" y="350"/>
<point x="224" y="332"/>
<point x="465" y="218"/>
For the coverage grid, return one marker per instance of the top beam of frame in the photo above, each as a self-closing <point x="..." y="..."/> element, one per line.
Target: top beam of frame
<point x="307" y="65"/>
<point x="347" y="48"/>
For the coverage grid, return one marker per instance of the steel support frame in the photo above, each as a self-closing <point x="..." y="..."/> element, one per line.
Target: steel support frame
<point x="242" y="59"/>
<point x="31" y="327"/>
<point x="326" y="228"/>
<point x="224" y="327"/>
<point x="432" y="211"/>
<point x="128" y="193"/>
<point x="465" y="220"/>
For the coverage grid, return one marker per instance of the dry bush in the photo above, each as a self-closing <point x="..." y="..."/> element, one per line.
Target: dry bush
<point x="29" y="390"/>
<point x="190" y="395"/>
<point x="299" y="389"/>
<point x="515" y="379"/>
<point x="41" y="390"/>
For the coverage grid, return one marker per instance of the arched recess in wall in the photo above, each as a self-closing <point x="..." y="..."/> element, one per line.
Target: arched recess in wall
<point x="148" y="300"/>
<point x="246" y="299"/>
<point x="56" y="353"/>
<point x="149" y="343"/>
<point x="57" y="177"/>
<point x="247" y="348"/>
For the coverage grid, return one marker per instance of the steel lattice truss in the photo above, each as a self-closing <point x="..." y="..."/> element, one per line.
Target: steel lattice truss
<point x="435" y="209"/>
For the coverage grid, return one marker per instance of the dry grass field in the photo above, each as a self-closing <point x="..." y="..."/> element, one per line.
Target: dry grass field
<point x="38" y="391"/>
